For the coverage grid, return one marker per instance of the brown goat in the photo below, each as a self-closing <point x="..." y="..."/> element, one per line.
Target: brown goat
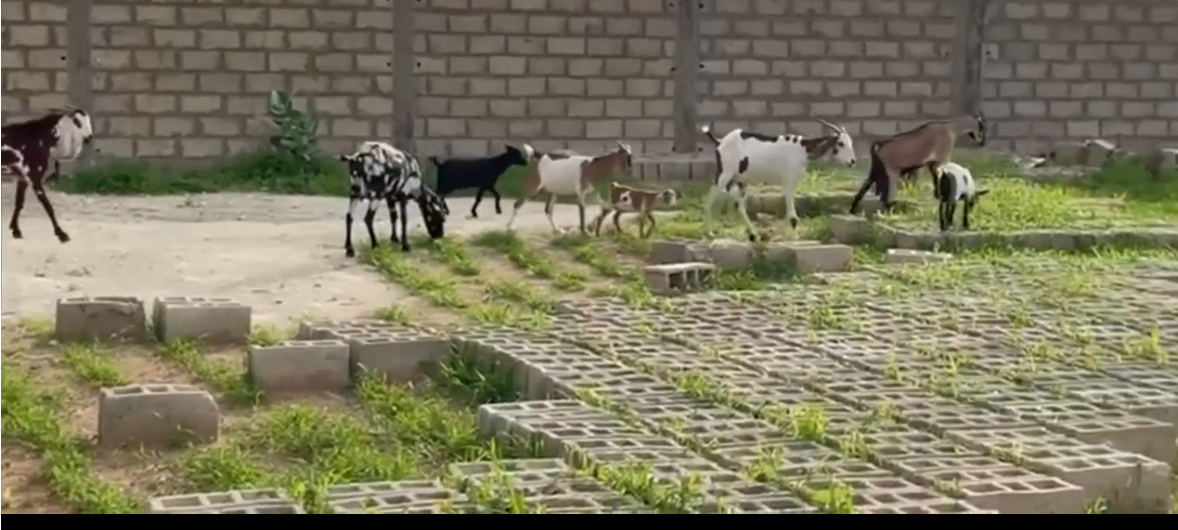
<point x="626" y="199"/>
<point x="563" y="175"/>
<point x="928" y="146"/>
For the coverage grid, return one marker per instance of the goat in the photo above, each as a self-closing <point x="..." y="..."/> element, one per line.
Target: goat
<point x="623" y="199"/>
<point x="928" y="145"/>
<point x="28" y="147"/>
<point x="379" y="171"/>
<point x="956" y="185"/>
<point x="742" y="155"/>
<point x="455" y="174"/>
<point x="560" y="174"/>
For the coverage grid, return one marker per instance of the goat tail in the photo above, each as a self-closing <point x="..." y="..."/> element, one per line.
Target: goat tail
<point x="707" y="129"/>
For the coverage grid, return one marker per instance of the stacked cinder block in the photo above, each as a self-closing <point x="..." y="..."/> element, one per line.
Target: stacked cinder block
<point x="803" y="256"/>
<point x="394" y="352"/>
<point x="230" y="502"/>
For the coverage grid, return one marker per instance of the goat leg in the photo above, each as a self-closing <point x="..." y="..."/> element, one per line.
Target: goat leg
<point x="581" y="214"/>
<point x="369" y="218"/>
<point x="392" y="206"/>
<point x="965" y="215"/>
<point x="39" y="191"/>
<point x="478" y="199"/>
<point x="598" y="221"/>
<point x="934" y="171"/>
<point x="649" y="231"/>
<point x="618" y="221"/>
<point x="859" y="195"/>
<point x="495" y="193"/>
<point x="22" y="187"/>
<point x="941" y="209"/>
<point x="403" y="202"/>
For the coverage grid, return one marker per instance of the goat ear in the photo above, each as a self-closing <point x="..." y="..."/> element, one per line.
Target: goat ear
<point x="981" y="193"/>
<point x="345" y="158"/>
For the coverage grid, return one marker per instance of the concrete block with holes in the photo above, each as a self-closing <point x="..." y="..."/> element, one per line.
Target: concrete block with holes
<point x="300" y="366"/>
<point x="395" y="354"/>
<point x="156" y="416"/>
<point x="213" y="320"/>
<point x="907" y="256"/>
<point x="809" y="257"/>
<point x="672" y="278"/>
<point x="267" y="500"/>
<point x="101" y="318"/>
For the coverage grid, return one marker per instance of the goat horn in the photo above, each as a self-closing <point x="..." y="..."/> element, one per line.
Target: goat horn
<point x="829" y="125"/>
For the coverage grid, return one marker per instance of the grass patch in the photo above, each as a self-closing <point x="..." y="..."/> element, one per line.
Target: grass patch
<point x="252" y="171"/>
<point x="222" y="377"/>
<point x="32" y="417"/>
<point x="93" y="364"/>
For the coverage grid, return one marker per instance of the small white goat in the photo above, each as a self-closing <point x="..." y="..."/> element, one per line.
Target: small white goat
<point x="570" y="174"/>
<point x="956" y="184"/>
<point x="744" y="155"/>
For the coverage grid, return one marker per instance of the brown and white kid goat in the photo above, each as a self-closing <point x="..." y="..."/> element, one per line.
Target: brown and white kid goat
<point x="626" y="199"/>
<point x="929" y="146"/>
<point x="27" y="149"/>
<point x="576" y="175"/>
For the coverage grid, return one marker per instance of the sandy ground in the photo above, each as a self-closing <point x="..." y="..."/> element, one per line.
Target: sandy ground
<point x="282" y="255"/>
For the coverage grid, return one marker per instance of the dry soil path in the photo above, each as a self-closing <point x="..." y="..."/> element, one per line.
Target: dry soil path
<point x="282" y="255"/>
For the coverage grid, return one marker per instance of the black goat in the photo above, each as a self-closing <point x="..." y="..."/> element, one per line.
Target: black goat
<point x="482" y="173"/>
<point x="28" y="147"/>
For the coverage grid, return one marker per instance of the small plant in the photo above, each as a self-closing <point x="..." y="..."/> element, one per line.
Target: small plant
<point x="294" y="131"/>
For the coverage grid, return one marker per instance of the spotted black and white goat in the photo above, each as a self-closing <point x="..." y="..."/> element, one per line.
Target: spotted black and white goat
<point x="743" y="156"/>
<point x="956" y="184"/>
<point x="379" y="171"/>
<point x="27" y="149"/>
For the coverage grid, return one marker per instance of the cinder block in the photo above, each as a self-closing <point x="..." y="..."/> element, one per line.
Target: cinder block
<point x="662" y="252"/>
<point x="396" y="357"/>
<point x="215" y="320"/>
<point x="1163" y="160"/>
<point x="783" y="252"/>
<point x="850" y="229"/>
<point x="904" y="256"/>
<point x="679" y="277"/>
<point x="238" y="501"/>
<point x="731" y="255"/>
<point x="822" y="258"/>
<point x="156" y="415"/>
<point x="101" y="318"/>
<point x="301" y="366"/>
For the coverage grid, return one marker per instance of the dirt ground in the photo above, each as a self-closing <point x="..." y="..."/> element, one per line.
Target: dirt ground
<point x="282" y="255"/>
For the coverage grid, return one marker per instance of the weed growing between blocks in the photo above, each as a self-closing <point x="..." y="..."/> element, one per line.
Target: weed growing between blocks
<point x="227" y="379"/>
<point x="529" y="260"/>
<point x="440" y="288"/>
<point x="93" y="364"/>
<point x="32" y="417"/>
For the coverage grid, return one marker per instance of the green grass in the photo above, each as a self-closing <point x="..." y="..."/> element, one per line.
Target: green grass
<point x="252" y="171"/>
<point x="33" y="417"/>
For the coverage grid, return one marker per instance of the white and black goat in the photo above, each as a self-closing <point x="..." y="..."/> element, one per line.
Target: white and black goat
<point x="904" y="154"/>
<point x="956" y="184"/>
<point x="743" y="156"/>
<point x="483" y="173"/>
<point x="570" y="174"/>
<point x="29" y="146"/>
<point x="379" y="171"/>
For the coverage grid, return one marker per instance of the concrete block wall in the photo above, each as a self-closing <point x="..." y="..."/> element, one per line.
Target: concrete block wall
<point x="189" y="78"/>
<point x="34" y="56"/>
<point x="1082" y="68"/>
<point x="874" y="66"/>
<point x="556" y="73"/>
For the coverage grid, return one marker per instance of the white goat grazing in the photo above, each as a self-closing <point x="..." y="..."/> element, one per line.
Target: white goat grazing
<point x="741" y="156"/>
<point x="570" y="174"/>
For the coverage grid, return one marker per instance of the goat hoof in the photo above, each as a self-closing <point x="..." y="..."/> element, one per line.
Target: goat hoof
<point x="349" y="253"/>
<point x="62" y="236"/>
<point x="16" y="234"/>
<point x="404" y="248"/>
